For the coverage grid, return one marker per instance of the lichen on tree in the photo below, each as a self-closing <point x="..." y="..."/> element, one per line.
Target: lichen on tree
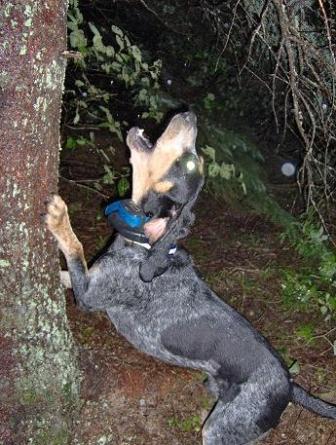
<point x="39" y="377"/>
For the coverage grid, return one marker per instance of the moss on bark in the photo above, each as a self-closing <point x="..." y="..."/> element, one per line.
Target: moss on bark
<point x="39" y="377"/>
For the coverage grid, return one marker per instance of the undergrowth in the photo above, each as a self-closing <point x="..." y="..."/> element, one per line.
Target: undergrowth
<point x="314" y="285"/>
<point x="235" y="171"/>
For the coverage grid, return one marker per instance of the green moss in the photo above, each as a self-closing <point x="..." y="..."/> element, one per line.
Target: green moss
<point x="4" y="263"/>
<point x="23" y="50"/>
<point x="28" y="395"/>
<point x="47" y="435"/>
<point x="7" y="11"/>
<point x="47" y="377"/>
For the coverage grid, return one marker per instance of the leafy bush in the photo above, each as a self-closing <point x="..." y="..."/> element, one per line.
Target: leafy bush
<point x="315" y="284"/>
<point x="234" y="171"/>
<point x="107" y="60"/>
<point x="234" y="159"/>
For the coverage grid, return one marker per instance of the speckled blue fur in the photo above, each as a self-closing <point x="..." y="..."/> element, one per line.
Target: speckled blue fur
<point x="162" y="306"/>
<point x="179" y="320"/>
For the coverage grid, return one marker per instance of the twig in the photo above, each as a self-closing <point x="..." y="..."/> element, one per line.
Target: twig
<point x="228" y="34"/>
<point x="325" y="334"/>
<point x="86" y="187"/>
<point x="284" y="26"/>
<point x="160" y="19"/>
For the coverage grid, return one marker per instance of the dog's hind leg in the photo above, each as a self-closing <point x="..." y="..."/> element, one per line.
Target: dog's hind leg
<point x="227" y="426"/>
<point x="58" y="222"/>
<point x="244" y="420"/>
<point x="212" y="386"/>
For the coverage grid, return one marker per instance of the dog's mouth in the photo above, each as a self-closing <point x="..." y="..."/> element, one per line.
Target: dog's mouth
<point x="138" y="141"/>
<point x="180" y="133"/>
<point x="155" y="229"/>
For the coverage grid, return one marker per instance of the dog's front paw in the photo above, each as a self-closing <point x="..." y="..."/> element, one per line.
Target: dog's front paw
<point x="57" y="219"/>
<point x="58" y="222"/>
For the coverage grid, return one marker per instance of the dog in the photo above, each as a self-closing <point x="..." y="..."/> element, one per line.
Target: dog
<point x="150" y="290"/>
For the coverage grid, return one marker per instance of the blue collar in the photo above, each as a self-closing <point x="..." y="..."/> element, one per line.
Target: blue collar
<point x="127" y="219"/>
<point x="128" y="213"/>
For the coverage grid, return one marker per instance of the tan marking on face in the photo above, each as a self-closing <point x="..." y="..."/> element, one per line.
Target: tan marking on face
<point x="163" y="186"/>
<point x="201" y="165"/>
<point x="150" y="167"/>
<point x="140" y="174"/>
<point x="161" y="161"/>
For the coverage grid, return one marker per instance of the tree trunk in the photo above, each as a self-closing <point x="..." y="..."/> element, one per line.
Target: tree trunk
<point x="39" y="377"/>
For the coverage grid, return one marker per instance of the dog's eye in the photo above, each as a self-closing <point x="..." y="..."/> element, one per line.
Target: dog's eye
<point x="189" y="163"/>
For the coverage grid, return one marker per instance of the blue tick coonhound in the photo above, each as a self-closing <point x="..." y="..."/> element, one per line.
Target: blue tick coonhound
<point x="155" y="298"/>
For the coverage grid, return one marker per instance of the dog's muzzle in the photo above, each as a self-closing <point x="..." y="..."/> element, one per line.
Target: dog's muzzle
<point x="127" y="219"/>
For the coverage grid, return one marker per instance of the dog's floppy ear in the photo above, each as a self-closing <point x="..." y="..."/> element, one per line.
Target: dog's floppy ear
<point x="158" y="259"/>
<point x="141" y="149"/>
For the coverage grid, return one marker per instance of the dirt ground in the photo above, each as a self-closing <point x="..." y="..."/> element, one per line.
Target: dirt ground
<point x="131" y="399"/>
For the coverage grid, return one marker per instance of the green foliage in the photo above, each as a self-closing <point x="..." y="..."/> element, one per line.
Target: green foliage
<point x="315" y="284"/>
<point x="74" y="142"/>
<point x="123" y="186"/>
<point x="292" y="364"/>
<point x="4" y="263"/>
<point x="208" y="101"/>
<point x="233" y="162"/>
<point x="308" y="238"/>
<point x="120" y="179"/>
<point x="203" y="64"/>
<point x="307" y="291"/>
<point x="234" y="171"/>
<point x="109" y="67"/>
<point x="297" y="289"/>
<point x="306" y="331"/>
<point x="192" y="423"/>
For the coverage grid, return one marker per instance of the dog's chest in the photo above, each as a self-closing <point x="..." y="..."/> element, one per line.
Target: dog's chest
<point x="136" y="327"/>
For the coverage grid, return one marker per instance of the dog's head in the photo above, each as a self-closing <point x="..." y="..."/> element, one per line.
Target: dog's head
<point x="167" y="178"/>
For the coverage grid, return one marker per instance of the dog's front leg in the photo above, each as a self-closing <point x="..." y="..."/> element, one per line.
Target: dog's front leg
<point x="58" y="222"/>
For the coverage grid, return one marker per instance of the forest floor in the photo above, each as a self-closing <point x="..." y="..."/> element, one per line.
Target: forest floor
<point x="131" y="399"/>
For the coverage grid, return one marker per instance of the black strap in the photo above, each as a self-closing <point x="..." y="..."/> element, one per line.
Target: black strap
<point x="133" y="234"/>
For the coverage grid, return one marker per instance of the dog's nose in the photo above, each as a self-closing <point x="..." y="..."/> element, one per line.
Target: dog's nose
<point x="189" y="117"/>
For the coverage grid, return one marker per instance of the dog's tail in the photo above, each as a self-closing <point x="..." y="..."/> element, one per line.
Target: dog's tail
<point x="314" y="404"/>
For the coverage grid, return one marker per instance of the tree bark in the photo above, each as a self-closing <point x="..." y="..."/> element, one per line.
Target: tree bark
<point x="39" y="377"/>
